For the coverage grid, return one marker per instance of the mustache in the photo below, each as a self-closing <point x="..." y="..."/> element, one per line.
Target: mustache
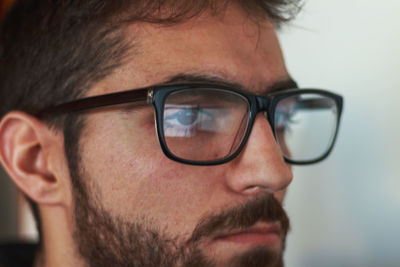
<point x="264" y="208"/>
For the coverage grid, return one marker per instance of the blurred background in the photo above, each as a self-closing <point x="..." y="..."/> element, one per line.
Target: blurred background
<point x="345" y="211"/>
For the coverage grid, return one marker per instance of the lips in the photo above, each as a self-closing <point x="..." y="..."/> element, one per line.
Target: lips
<point x="259" y="234"/>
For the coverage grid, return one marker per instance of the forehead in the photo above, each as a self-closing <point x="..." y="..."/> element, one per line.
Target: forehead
<point x="230" y="46"/>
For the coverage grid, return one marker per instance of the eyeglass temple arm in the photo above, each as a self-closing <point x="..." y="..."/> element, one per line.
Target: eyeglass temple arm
<point x="137" y="95"/>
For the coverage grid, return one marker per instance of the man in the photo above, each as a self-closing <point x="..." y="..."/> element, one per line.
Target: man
<point x="156" y="133"/>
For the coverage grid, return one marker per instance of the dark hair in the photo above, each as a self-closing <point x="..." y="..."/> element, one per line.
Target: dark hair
<point x="52" y="51"/>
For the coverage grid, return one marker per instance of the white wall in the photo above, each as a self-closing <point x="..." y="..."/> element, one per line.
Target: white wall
<point x="346" y="211"/>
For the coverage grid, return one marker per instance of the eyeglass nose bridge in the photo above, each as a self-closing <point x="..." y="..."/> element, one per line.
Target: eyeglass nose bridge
<point x="262" y="103"/>
<point x="259" y="104"/>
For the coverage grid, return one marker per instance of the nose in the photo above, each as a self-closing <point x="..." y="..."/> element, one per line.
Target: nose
<point x="260" y="165"/>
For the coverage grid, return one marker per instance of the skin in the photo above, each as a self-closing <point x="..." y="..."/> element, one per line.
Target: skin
<point x="122" y="162"/>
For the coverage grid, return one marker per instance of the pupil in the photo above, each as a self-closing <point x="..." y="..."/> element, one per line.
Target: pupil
<point x="187" y="117"/>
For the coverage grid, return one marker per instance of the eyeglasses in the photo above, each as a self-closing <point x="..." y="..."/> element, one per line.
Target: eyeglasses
<point x="208" y="124"/>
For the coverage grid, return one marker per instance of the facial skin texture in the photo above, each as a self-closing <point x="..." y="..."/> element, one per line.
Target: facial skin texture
<point x="131" y="180"/>
<point x="131" y="184"/>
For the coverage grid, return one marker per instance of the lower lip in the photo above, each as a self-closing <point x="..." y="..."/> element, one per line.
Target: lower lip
<point x="253" y="238"/>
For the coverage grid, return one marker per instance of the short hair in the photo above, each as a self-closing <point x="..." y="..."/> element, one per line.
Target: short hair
<point x="53" y="51"/>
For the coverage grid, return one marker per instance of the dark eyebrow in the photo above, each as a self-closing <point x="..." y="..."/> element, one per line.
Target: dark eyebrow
<point x="283" y="84"/>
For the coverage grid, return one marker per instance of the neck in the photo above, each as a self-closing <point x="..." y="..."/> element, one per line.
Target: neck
<point x="58" y="246"/>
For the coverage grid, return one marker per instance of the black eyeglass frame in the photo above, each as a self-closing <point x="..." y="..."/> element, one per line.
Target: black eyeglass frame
<point x="156" y="95"/>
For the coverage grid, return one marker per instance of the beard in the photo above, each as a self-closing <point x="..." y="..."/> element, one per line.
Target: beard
<point x="106" y="240"/>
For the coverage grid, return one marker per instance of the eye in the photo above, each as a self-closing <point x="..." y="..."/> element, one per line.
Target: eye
<point x="187" y="117"/>
<point x="186" y="120"/>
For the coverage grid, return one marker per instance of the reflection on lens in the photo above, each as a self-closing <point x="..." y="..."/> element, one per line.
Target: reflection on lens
<point x="187" y="120"/>
<point x="305" y="126"/>
<point x="204" y="124"/>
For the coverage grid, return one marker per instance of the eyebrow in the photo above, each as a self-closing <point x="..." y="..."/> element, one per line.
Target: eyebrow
<point x="281" y="84"/>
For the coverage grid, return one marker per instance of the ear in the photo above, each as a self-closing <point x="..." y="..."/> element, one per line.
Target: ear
<point x="29" y="151"/>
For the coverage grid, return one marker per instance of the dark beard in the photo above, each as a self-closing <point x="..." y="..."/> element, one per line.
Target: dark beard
<point x="104" y="240"/>
<point x="258" y="257"/>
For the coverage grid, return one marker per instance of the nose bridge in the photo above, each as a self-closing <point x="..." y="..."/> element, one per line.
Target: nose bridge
<point x="260" y="163"/>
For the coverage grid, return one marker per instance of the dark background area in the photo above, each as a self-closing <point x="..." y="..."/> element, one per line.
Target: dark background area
<point x="8" y="208"/>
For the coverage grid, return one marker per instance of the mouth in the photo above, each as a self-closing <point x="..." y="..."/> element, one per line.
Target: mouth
<point x="259" y="234"/>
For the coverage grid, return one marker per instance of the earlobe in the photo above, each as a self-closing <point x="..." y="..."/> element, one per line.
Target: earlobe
<point x="25" y="146"/>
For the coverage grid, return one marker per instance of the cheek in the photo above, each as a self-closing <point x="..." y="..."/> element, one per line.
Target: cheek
<point x="116" y="155"/>
<point x="134" y="178"/>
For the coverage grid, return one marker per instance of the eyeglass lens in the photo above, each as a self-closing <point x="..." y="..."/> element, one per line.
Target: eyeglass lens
<point x="305" y="126"/>
<point x="204" y="124"/>
<point x="210" y="124"/>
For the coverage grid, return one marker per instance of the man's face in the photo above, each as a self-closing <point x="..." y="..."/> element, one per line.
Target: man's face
<point x="139" y="201"/>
